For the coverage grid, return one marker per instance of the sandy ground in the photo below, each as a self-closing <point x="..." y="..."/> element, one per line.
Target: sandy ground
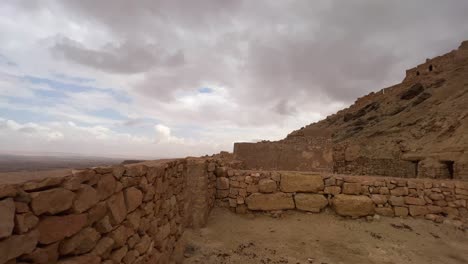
<point x="322" y="238"/>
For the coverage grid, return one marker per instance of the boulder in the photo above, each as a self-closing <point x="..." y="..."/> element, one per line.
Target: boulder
<point x="17" y="245"/>
<point x="298" y="182"/>
<point x="270" y="202"/>
<point x="351" y="188"/>
<point x="353" y="205"/>
<point x="7" y="216"/>
<point x="310" y="202"/>
<point x="25" y="222"/>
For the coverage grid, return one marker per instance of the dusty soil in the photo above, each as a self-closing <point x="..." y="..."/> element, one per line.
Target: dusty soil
<point x="322" y="238"/>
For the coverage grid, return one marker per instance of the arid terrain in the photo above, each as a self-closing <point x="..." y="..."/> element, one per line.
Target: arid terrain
<point x="322" y="238"/>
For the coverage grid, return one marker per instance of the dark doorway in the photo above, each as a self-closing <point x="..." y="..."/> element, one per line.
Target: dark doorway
<point x="430" y="68"/>
<point x="449" y="164"/>
<point x="417" y="73"/>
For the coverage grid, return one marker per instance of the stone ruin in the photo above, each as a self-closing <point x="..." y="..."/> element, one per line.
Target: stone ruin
<point x="137" y="213"/>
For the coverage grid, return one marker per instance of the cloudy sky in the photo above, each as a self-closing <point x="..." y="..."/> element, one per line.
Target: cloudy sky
<point x="165" y="78"/>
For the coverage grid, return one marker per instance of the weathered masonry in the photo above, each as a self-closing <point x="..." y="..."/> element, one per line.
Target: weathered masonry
<point x="138" y="213"/>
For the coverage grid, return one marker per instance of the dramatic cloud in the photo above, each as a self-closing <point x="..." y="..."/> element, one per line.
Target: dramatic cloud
<point x="203" y="74"/>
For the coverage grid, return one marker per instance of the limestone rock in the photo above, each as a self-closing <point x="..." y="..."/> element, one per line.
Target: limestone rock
<point x="52" y="201"/>
<point x="270" y="202"/>
<point x="17" y="245"/>
<point x="310" y="202"/>
<point x="266" y="186"/>
<point x="117" y="208"/>
<point x="55" y="228"/>
<point x="353" y="205"/>
<point x="133" y="198"/>
<point x="86" y="197"/>
<point x="80" y="243"/>
<point x="7" y="216"/>
<point x="297" y="182"/>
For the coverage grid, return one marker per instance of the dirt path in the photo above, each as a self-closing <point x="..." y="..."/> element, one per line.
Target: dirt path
<point x="323" y="238"/>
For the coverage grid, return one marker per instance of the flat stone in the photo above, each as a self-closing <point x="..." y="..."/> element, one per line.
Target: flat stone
<point x="332" y="190"/>
<point x="52" y="201"/>
<point x="17" y="245"/>
<point x="45" y="183"/>
<point x="401" y="211"/>
<point x="106" y="186"/>
<point x="353" y="205"/>
<point x="352" y="188"/>
<point x="270" y="202"/>
<point x="399" y="191"/>
<point x="80" y="243"/>
<point x="384" y="211"/>
<point x="133" y="198"/>
<point x="55" y="228"/>
<point x="117" y="209"/>
<point x="310" y="202"/>
<point x="86" y="197"/>
<point x="7" y="217"/>
<point x="222" y="183"/>
<point x="297" y="182"/>
<point x="266" y="186"/>
<point x="379" y="199"/>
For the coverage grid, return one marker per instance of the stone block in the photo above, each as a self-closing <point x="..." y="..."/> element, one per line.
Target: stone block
<point x="379" y="199"/>
<point x="133" y="198"/>
<point x="52" y="201"/>
<point x="43" y="255"/>
<point x="401" y="211"/>
<point x="384" y="211"/>
<point x="353" y="205"/>
<point x="7" y="216"/>
<point x="397" y="201"/>
<point x="334" y="190"/>
<point x="222" y="183"/>
<point x="55" y="228"/>
<point x="352" y="188"/>
<point x="17" y="245"/>
<point x="266" y="186"/>
<point x="25" y="222"/>
<point x="298" y="182"/>
<point x="270" y="202"/>
<point x="310" y="202"/>
<point x="414" y="200"/>
<point x="117" y="209"/>
<point x="399" y="191"/>
<point x="86" y="197"/>
<point x="80" y="243"/>
<point x="106" y="186"/>
<point x="417" y="210"/>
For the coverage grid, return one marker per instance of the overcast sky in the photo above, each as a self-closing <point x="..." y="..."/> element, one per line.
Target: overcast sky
<point x="166" y="78"/>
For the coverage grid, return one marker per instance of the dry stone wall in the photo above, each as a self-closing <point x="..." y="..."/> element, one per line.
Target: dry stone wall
<point x="131" y="214"/>
<point x="351" y="196"/>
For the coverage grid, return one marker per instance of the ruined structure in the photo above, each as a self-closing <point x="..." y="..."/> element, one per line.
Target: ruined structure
<point x="415" y="129"/>
<point x="137" y="213"/>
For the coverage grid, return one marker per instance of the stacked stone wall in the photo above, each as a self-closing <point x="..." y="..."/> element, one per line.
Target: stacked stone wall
<point x="122" y="214"/>
<point x="353" y="196"/>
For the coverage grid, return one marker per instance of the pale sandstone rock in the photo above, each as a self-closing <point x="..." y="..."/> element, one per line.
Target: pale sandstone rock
<point x="106" y="186"/>
<point x="269" y="202"/>
<point x="55" y="228"/>
<point x="43" y="255"/>
<point x="7" y="216"/>
<point x="80" y="243"/>
<point x="25" y="222"/>
<point x="266" y="186"/>
<point x="352" y="188"/>
<point x="310" y="202"/>
<point x="81" y="260"/>
<point x="86" y="197"/>
<point x="353" y="205"/>
<point x="17" y="245"/>
<point x="417" y="210"/>
<point x="117" y="209"/>
<point x="133" y="198"/>
<point x="52" y="201"/>
<point x="296" y="182"/>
